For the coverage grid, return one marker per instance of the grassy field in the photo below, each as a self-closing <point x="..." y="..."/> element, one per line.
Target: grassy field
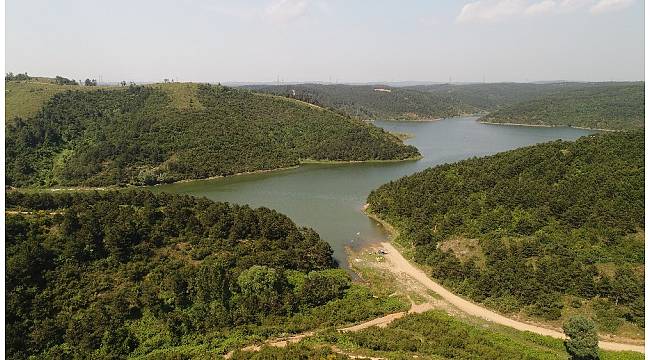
<point x="183" y="96"/>
<point x="25" y="98"/>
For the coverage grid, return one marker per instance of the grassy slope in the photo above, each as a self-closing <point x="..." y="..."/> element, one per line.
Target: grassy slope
<point x="25" y="98"/>
<point x="364" y="102"/>
<point x="435" y="334"/>
<point x="609" y="106"/>
<point x="169" y="132"/>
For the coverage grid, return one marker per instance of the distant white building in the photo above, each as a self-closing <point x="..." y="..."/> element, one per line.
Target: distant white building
<point x="384" y="90"/>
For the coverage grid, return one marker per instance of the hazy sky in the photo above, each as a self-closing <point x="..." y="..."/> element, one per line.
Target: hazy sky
<point x="319" y="40"/>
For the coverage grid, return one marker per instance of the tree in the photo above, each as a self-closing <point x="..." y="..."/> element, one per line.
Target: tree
<point x="18" y="77"/>
<point x="582" y="338"/>
<point x="322" y="286"/>
<point x="89" y="82"/>
<point x="260" y="289"/>
<point x="60" y="80"/>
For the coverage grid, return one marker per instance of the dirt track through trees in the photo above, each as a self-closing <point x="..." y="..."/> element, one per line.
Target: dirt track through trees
<point x="399" y="265"/>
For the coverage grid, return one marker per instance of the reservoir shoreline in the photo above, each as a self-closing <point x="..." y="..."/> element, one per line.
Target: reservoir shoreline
<point x="328" y="196"/>
<point x="547" y="126"/>
<point x="217" y="177"/>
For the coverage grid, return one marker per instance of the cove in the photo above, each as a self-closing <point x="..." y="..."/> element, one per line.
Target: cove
<point x="329" y="197"/>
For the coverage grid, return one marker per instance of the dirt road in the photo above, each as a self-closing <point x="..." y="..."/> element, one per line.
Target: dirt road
<point x="400" y="265"/>
<point x="380" y="322"/>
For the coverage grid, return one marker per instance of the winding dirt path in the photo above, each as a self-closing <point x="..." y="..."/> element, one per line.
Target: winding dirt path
<point x="400" y="265"/>
<point x="380" y="322"/>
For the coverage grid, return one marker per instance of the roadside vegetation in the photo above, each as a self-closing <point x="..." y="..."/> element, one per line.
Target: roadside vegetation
<point x="145" y="135"/>
<point x="546" y="231"/>
<point x="443" y="333"/>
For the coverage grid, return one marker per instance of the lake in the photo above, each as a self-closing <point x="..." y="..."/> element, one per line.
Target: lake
<point x="329" y="198"/>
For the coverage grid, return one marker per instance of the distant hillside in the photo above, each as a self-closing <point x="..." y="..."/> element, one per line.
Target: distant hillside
<point x="491" y="96"/>
<point x="373" y="101"/>
<point x="607" y="106"/>
<point x="544" y="231"/>
<point x="169" y="132"/>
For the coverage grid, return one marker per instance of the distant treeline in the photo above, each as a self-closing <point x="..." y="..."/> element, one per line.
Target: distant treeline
<point x="492" y="96"/>
<point x="609" y="106"/>
<point x="152" y="134"/>
<point x="17" y="77"/>
<point x="550" y="230"/>
<point x="593" y="105"/>
<point x="373" y="101"/>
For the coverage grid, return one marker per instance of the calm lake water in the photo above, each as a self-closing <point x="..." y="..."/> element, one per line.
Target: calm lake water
<point x="329" y="198"/>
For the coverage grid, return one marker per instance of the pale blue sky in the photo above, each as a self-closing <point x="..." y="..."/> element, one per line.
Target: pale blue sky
<point x="319" y="40"/>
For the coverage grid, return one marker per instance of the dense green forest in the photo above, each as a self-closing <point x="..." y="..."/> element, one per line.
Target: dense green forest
<point x="548" y="230"/>
<point x="594" y="105"/>
<point x="111" y="275"/>
<point x="492" y="96"/>
<point x="610" y="106"/>
<point x="169" y="132"/>
<point x="374" y="102"/>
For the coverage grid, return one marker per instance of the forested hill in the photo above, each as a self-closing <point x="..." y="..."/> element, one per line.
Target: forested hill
<point x="493" y="96"/>
<point x="169" y="132"/>
<point x="118" y="275"/>
<point x="594" y="105"/>
<point x="375" y="102"/>
<point x="608" y="106"/>
<point x="548" y="230"/>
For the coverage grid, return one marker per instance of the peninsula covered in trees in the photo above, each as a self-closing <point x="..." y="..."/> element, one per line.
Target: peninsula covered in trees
<point x="168" y="132"/>
<point x="544" y="231"/>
